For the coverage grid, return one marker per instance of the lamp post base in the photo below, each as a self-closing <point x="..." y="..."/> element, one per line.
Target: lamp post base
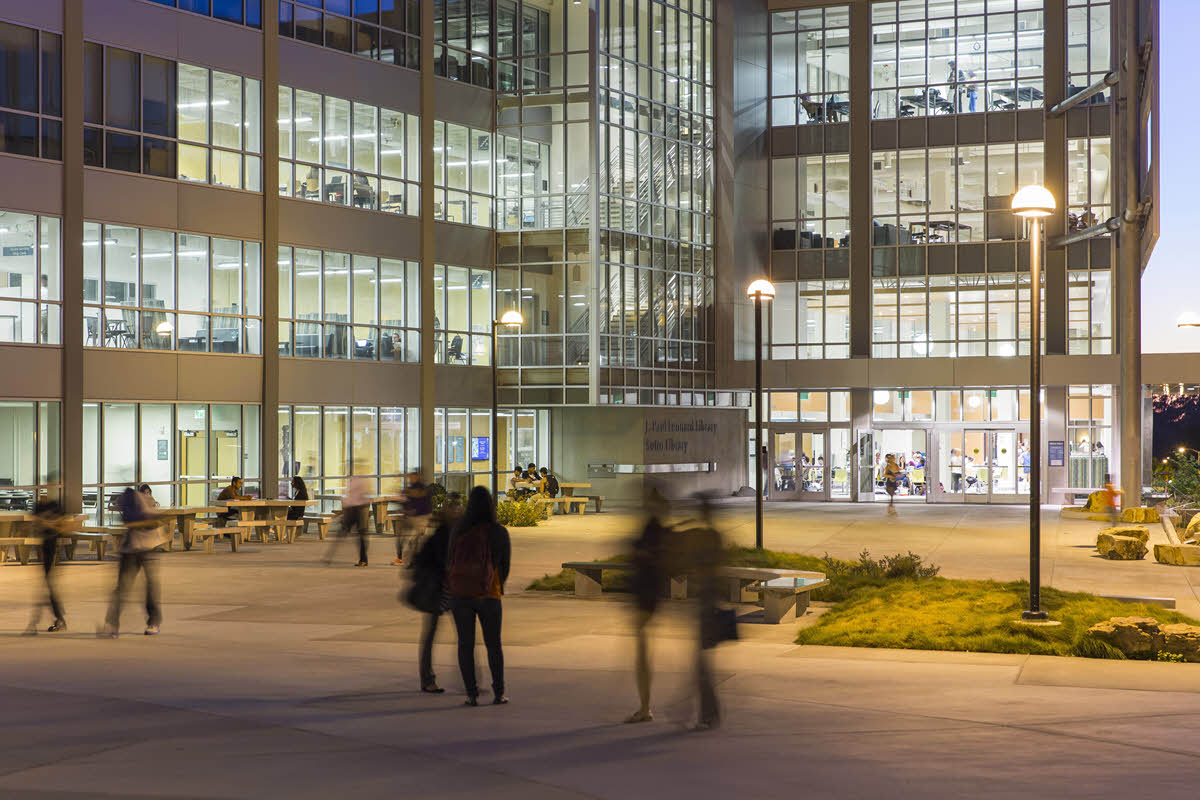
<point x="1037" y="618"/>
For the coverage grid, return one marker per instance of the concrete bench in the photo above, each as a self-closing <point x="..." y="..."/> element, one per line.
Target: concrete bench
<point x="209" y="536"/>
<point x="320" y="520"/>
<point x="97" y="542"/>
<point x="567" y="504"/>
<point x="588" y="575"/>
<point x="24" y="546"/>
<point x="785" y="598"/>
<point x="597" y="501"/>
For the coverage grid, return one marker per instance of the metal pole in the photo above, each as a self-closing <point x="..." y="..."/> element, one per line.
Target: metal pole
<point x="1035" y="422"/>
<point x="758" y="444"/>
<point x="495" y="452"/>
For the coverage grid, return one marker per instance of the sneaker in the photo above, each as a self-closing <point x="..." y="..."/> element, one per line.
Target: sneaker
<point x="59" y="625"/>
<point x="30" y="631"/>
<point x="106" y="632"/>
<point x="471" y="700"/>
<point x="361" y="564"/>
<point x="151" y="630"/>
<point x="640" y="716"/>
<point x="500" y="700"/>
<point x="399" y="562"/>
<point x="432" y="688"/>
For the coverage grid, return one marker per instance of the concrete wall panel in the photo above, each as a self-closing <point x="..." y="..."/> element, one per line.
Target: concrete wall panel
<point x="130" y="199"/>
<point x="32" y="372"/>
<point x="306" y="66"/>
<point x="44" y="15"/>
<point x="32" y="184"/>
<point x="464" y="245"/>
<point x="304" y="380"/>
<point x="222" y="212"/>
<point x="352" y="230"/>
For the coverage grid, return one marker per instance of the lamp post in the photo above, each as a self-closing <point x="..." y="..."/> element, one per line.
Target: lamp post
<point x="513" y="319"/>
<point x="758" y="291"/>
<point x="1035" y="203"/>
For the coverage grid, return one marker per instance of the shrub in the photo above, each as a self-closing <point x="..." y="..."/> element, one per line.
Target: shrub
<point x="437" y="495"/>
<point x="517" y="514"/>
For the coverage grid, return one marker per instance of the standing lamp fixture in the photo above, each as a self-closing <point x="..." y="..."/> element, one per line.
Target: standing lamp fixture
<point x="1035" y="203"/>
<point x="513" y="319"/>
<point x="758" y="291"/>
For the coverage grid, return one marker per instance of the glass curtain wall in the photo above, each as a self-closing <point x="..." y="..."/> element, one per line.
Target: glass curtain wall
<point x="1089" y="435"/>
<point x="1089" y="46"/>
<point x="161" y="290"/>
<point x="462" y="315"/>
<point x="30" y="279"/>
<point x="543" y="153"/>
<point x="810" y="66"/>
<point x="30" y="453"/>
<point x="462" y="174"/>
<point x="199" y="124"/>
<point x="381" y="30"/>
<point x="343" y="305"/>
<point x="334" y="150"/>
<point x="463" y="29"/>
<point x="1089" y="276"/>
<point x="31" y="92"/>
<point x="187" y="452"/>
<point x="656" y="170"/>
<point x="463" y="449"/>
<point x="939" y="57"/>
<point x="243" y="12"/>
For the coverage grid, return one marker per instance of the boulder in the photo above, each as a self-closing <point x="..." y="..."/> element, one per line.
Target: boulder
<point x="1121" y="548"/>
<point x="1136" y="637"/>
<point x="1136" y="514"/>
<point x="1132" y="531"/>
<point x="1193" y="528"/>
<point x="1182" y="639"/>
<point x="1097" y="501"/>
<point x="1180" y="555"/>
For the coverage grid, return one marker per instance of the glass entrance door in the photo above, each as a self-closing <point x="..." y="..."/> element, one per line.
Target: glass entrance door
<point x="980" y="466"/>
<point x="799" y="465"/>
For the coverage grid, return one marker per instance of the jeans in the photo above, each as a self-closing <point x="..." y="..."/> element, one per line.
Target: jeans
<point x="126" y="574"/>
<point x="466" y="609"/>
<point x="429" y="626"/>
<point x="353" y="520"/>
<point x="49" y="552"/>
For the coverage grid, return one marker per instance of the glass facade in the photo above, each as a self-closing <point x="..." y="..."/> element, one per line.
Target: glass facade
<point x="1089" y="45"/>
<point x="334" y="150"/>
<point x="1089" y="435"/>
<point x="942" y="57"/>
<point x="810" y="66"/>
<point x="655" y="151"/>
<point x="30" y="452"/>
<point x="462" y="174"/>
<point x="187" y="452"/>
<point x="463" y="448"/>
<point x="243" y="12"/>
<point x="30" y="92"/>
<point x="30" y="279"/>
<point x="171" y="120"/>
<point x="463" y="30"/>
<point x="462" y="315"/>
<point x="325" y="445"/>
<point x="342" y="305"/>
<point x="161" y="290"/>
<point x="381" y="30"/>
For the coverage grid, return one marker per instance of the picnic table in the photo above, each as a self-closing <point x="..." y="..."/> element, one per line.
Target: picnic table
<point x="266" y="514"/>
<point x="379" y="509"/>
<point x="568" y="489"/>
<point x="183" y="519"/>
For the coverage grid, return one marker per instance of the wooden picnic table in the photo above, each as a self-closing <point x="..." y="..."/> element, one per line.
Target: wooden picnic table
<point x="271" y="514"/>
<point x="183" y="519"/>
<point x="379" y="507"/>
<point x="568" y="489"/>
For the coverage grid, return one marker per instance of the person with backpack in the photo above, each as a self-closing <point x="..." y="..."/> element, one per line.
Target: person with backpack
<point x="549" y="483"/>
<point x="479" y="555"/>
<point x="143" y="533"/>
<point x="427" y="592"/>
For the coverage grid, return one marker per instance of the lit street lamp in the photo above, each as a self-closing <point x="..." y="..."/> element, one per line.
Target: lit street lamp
<point x="759" y="291"/>
<point x="1035" y="203"/>
<point x="513" y="319"/>
<point x="1188" y="319"/>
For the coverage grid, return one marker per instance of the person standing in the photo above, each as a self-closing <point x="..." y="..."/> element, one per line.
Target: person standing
<point x="428" y="591"/>
<point x="892" y="473"/>
<point x="143" y="533"/>
<point x="49" y="521"/>
<point x="649" y="572"/>
<point x="477" y="567"/>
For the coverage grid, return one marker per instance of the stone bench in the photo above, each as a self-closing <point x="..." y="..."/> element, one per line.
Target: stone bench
<point x="569" y="503"/>
<point x="97" y="542"/>
<point x="209" y="535"/>
<point x="24" y="546"/>
<point x="320" y="520"/>
<point x="786" y="598"/>
<point x="588" y="575"/>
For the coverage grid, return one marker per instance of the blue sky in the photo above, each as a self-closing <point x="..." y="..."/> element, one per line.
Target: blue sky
<point x="1171" y="284"/>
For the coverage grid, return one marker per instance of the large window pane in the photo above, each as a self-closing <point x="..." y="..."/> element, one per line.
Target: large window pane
<point x="193" y="103"/>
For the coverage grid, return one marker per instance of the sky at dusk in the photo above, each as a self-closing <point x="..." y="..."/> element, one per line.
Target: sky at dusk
<point x="1171" y="283"/>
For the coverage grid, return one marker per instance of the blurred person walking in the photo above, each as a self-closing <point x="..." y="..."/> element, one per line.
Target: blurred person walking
<point x="892" y="473"/>
<point x="354" y="519"/>
<point x="650" y="570"/>
<point x="427" y="592"/>
<point x="1112" y="496"/>
<point x="480" y="553"/>
<point x="418" y="509"/>
<point x="715" y="624"/>
<point x="143" y="533"/>
<point x="49" y="521"/>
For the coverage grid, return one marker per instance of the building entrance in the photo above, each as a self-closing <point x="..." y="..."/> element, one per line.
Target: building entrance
<point x="808" y="463"/>
<point x="980" y="465"/>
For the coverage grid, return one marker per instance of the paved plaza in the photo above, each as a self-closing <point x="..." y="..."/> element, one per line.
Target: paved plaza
<point x="276" y="676"/>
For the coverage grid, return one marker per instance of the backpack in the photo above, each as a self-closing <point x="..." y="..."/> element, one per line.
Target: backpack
<point x="552" y="486"/>
<point x="470" y="572"/>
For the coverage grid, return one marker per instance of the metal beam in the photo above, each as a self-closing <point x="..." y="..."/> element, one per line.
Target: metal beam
<point x="1111" y="225"/>
<point x="1109" y="80"/>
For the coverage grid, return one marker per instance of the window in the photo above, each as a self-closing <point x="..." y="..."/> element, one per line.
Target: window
<point x="809" y="319"/>
<point x="1089" y="312"/>
<point x="243" y="12"/>
<point x="338" y="305"/>
<point x="927" y="60"/>
<point x="463" y="448"/>
<point x="30" y="279"/>
<point x="199" y="125"/>
<point x="462" y="315"/>
<point x="381" y="30"/>
<point x="161" y="290"/>
<point x="462" y="170"/>
<point x="325" y="445"/>
<point x="809" y="406"/>
<point x="1089" y="435"/>
<point x="464" y="29"/>
<point x="1089" y="181"/>
<point x="30" y="92"/>
<point x="30" y="459"/>
<point x="347" y="153"/>
<point x="810" y="66"/>
<point x="1089" y="46"/>
<point x="187" y="452"/>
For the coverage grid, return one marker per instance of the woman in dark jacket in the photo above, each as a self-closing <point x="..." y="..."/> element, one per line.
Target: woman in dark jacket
<point x="299" y="492"/>
<point x="649" y="561"/>
<point x="427" y="593"/>
<point x="477" y="567"/>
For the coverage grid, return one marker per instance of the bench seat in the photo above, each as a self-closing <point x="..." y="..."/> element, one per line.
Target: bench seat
<point x="320" y="520"/>
<point x="209" y="536"/>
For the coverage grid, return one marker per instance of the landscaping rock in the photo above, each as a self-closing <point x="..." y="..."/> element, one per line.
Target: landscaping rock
<point x="1136" y="514"/>
<point x="1182" y="639"/>
<point x="1180" y="555"/>
<point x="1121" y="548"/>
<point x="1136" y="637"/>
<point x="1097" y="501"/>
<point x="1131" y="531"/>
<point x="1193" y="528"/>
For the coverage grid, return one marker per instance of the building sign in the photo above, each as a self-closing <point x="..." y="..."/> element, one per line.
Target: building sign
<point x="677" y="438"/>
<point x="23" y="250"/>
<point x="480" y="448"/>
<point x="1056" y="453"/>
<point x="162" y="450"/>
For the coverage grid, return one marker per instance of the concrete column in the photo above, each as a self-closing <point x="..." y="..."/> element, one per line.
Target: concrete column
<point x="268" y="460"/>
<point x="1054" y="428"/>
<point x="860" y="180"/>
<point x="1055" y="266"/>
<point x="428" y="87"/>
<point x="860" y="420"/>
<point x="72" y="256"/>
<point x="594" y="157"/>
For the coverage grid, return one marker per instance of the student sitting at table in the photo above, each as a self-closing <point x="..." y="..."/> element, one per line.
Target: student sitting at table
<point x="549" y="482"/>
<point x="231" y="492"/>
<point x="517" y="490"/>
<point x="299" y="492"/>
<point x="147" y="496"/>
